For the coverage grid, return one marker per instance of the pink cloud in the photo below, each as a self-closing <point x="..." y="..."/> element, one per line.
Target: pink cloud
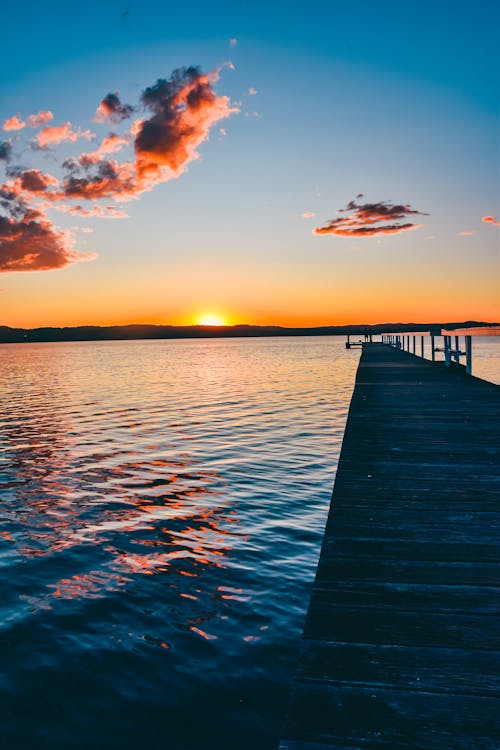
<point x="252" y="91"/>
<point x="307" y="215"/>
<point x="30" y="242"/>
<point x="112" y="109"/>
<point x="135" y="127"/>
<point x="35" y="121"/>
<point x="184" y="109"/>
<point x="109" y="145"/>
<point x="14" y="123"/>
<point x="101" y="212"/>
<point x="490" y="220"/>
<point x="109" y="180"/>
<point x="365" y="219"/>
<point x="465" y="233"/>
<point x="57" y="134"/>
<point x="35" y="181"/>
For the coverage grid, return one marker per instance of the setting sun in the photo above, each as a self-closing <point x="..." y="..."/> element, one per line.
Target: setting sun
<point x="211" y="319"/>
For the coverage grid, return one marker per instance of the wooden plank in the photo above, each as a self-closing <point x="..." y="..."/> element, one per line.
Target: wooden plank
<point x="400" y="646"/>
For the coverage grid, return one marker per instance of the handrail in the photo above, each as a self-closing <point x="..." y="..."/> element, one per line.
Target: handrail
<point x="484" y="331"/>
<point x="402" y="341"/>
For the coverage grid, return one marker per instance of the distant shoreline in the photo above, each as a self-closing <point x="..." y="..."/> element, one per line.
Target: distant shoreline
<point x="10" y="335"/>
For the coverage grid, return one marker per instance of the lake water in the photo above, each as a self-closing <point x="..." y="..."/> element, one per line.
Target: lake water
<point x="162" y="506"/>
<point x="160" y="524"/>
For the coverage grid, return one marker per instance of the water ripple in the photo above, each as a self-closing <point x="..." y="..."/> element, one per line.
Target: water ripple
<point x="160" y="523"/>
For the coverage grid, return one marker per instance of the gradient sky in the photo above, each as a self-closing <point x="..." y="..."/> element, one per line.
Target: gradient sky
<point x="389" y="108"/>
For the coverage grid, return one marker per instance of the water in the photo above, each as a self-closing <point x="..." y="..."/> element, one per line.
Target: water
<point x="162" y="506"/>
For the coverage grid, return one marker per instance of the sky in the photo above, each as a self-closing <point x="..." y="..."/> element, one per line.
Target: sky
<point x="263" y="163"/>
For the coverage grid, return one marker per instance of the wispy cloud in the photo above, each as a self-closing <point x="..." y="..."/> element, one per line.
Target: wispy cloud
<point x="35" y="121"/>
<point x="490" y="220"/>
<point x="307" y="215"/>
<point x="369" y="219"/>
<point x="14" y="123"/>
<point x="32" y="121"/>
<point x="112" y="109"/>
<point x="56" y="134"/>
<point x="464" y="233"/>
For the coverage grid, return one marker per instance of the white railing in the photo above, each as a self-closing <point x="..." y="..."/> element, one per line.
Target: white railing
<point x="450" y="347"/>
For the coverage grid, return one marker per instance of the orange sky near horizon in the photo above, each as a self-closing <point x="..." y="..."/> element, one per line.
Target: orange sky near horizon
<point x="75" y="296"/>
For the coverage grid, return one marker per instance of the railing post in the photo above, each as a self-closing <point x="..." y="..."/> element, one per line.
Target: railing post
<point x="457" y="349"/>
<point x="422" y="346"/>
<point x="447" y="357"/>
<point x="433" y="348"/>
<point x="414" y="343"/>
<point x="468" y="355"/>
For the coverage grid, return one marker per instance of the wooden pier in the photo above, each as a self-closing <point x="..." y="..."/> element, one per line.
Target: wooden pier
<point x="400" y="645"/>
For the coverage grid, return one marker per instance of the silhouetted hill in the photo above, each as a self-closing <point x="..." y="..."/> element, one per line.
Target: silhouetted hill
<point x="139" y="331"/>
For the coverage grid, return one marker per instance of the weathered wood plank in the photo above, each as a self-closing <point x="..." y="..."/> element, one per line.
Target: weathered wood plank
<point x="401" y="646"/>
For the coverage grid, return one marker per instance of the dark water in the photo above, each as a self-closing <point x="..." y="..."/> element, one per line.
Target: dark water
<point x="162" y="505"/>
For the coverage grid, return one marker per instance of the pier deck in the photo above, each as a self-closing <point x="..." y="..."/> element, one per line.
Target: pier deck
<point x="399" y="646"/>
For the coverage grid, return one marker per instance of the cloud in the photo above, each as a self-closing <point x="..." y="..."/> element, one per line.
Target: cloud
<point x="233" y="42"/>
<point x="53" y="135"/>
<point x="179" y="114"/>
<point x="101" y="212"/>
<point x="365" y="219"/>
<point x="33" y="180"/>
<point x="5" y="150"/>
<point x="14" y="123"/>
<point x="491" y="220"/>
<point x="29" y="241"/>
<point x="109" y="145"/>
<point x="252" y="91"/>
<point x="112" y="109"/>
<point x="307" y="215"/>
<point x="108" y="180"/>
<point x="465" y="233"/>
<point x="35" y="121"/>
<point x="184" y="108"/>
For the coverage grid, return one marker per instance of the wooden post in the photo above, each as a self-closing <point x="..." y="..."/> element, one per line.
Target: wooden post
<point x="468" y="355"/>
<point x="422" y="346"/>
<point x="414" y="344"/>
<point x="447" y="356"/>
<point x="457" y="349"/>
<point x="433" y="348"/>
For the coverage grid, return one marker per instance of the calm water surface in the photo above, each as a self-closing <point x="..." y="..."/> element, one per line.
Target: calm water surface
<point x="162" y="505"/>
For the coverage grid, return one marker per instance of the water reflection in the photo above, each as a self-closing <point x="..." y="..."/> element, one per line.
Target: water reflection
<point x="146" y="513"/>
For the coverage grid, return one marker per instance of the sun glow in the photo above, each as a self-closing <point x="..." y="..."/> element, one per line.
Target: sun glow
<point x="211" y="319"/>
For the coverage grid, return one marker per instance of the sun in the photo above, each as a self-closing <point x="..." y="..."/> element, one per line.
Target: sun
<point x="211" y="319"/>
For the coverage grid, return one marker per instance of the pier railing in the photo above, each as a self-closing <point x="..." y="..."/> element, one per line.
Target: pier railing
<point x="450" y="346"/>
